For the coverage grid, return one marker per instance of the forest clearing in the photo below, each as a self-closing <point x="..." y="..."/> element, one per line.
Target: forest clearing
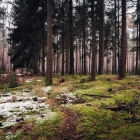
<point x="74" y="107"/>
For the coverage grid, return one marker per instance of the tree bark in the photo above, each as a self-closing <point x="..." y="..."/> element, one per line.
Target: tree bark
<point x="101" y="49"/>
<point x="137" y="42"/>
<point x="118" y="41"/>
<point x="133" y="51"/>
<point x="71" y="39"/>
<point x="49" y="43"/>
<point x="93" y="72"/>
<point x="63" y="38"/>
<point x="115" y="41"/>
<point x="43" y="43"/>
<point x="84" y="38"/>
<point x="67" y="57"/>
<point x="57" y="55"/>
<point x="76" y="56"/>
<point x="123" y="41"/>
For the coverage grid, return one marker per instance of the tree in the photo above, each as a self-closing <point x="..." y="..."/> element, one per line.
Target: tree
<point x="26" y="37"/>
<point x="93" y="41"/>
<point x="123" y="41"/>
<point x="49" y="43"/>
<point x="115" y="40"/>
<point x="71" y="38"/>
<point x="101" y="49"/>
<point x="84" y="38"/>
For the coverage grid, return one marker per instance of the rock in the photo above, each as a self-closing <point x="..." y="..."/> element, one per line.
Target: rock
<point x="20" y="100"/>
<point x="1" y="124"/>
<point x="19" y="119"/>
<point x="42" y="105"/>
<point x="29" y="107"/>
<point x="110" y="90"/>
<point x="26" y="90"/>
<point x="62" y="80"/>
<point x="34" y="99"/>
<point x="6" y="94"/>
<point x="41" y="115"/>
<point x="89" y="104"/>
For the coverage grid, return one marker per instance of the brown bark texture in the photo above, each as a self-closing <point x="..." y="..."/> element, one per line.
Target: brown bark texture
<point x="49" y="43"/>
<point x="101" y="49"/>
<point x="123" y="41"/>
<point x="71" y="39"/>
<point x="93" y="42"/>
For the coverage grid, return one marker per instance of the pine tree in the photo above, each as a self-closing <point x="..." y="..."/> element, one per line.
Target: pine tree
<point x="49" y="43"/>
<point x="123" y="41"/>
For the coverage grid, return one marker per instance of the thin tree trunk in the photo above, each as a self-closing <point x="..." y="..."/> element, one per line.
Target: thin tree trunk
<point x="115" y="41"/>
<point x="107" y="61"/>
<point x="123" y="41"/>
<point x="137" y="42"/>
<point x="76" y="56"/>
<point x="57" y="56"/>
<point x="127" y="54"/>
<point x="80" y="52"/>
<point x="71" y="39"/>
<point x="67" y="57"/>
<point x="36" y="61"/>
<point x="82" y="56"/>
<point x="118" y="40"/>
<point x="54" y="64"/>
<point x="63" y="38"/>
<point x="133" y="51"/>
<point x="84" y="38"/>
<point x="43" y="43"/>
<point x="93" y="72"/>
<point x="101" y="49"/>
<point x="49" y="43"/>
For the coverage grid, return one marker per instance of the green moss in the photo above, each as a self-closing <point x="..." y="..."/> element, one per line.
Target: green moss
<point x="46" y="129"/>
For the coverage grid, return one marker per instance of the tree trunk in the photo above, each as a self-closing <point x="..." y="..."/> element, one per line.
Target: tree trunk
<point x="63" y="38"/>
<point x="118" y="41"/>
<point x="101" y="49"/>
<point x="133" y="51"/>
<point x="43" y="43"/>
<point x="123" y="41"/>
<point x="137" y="41"/>
<point x="49" y="43"/>
<point x="36" y="61"/>
<point x="67" y="57"/>
<point x="76" y="56"/>
<point x="127" y="55"/>
<point x="115" y="41"/>
<point x="54" y="64"/>
<point x="57" y="56"/>
<point x="107" y="61"/>
<point x="84" y="38"/>
<point x="93" y="42"/>
<point x="71" y="38"/>
<point x="82" y="55"/>
<point x="80" y="52"/>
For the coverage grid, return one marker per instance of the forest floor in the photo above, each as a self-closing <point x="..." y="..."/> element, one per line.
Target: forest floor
<point x="74" y="108"/>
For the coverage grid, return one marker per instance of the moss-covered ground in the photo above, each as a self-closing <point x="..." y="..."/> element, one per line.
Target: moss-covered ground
<point x="108" y="110"/>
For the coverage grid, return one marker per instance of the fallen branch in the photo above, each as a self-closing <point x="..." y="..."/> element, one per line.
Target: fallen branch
<point x="97" y="95"/>
<point x="116" y="108"/>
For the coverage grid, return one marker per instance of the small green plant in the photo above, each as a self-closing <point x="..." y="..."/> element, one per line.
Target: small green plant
<point x="82" y="80"/>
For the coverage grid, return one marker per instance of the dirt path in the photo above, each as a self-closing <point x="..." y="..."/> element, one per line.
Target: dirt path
<point x="68" y="131"/>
